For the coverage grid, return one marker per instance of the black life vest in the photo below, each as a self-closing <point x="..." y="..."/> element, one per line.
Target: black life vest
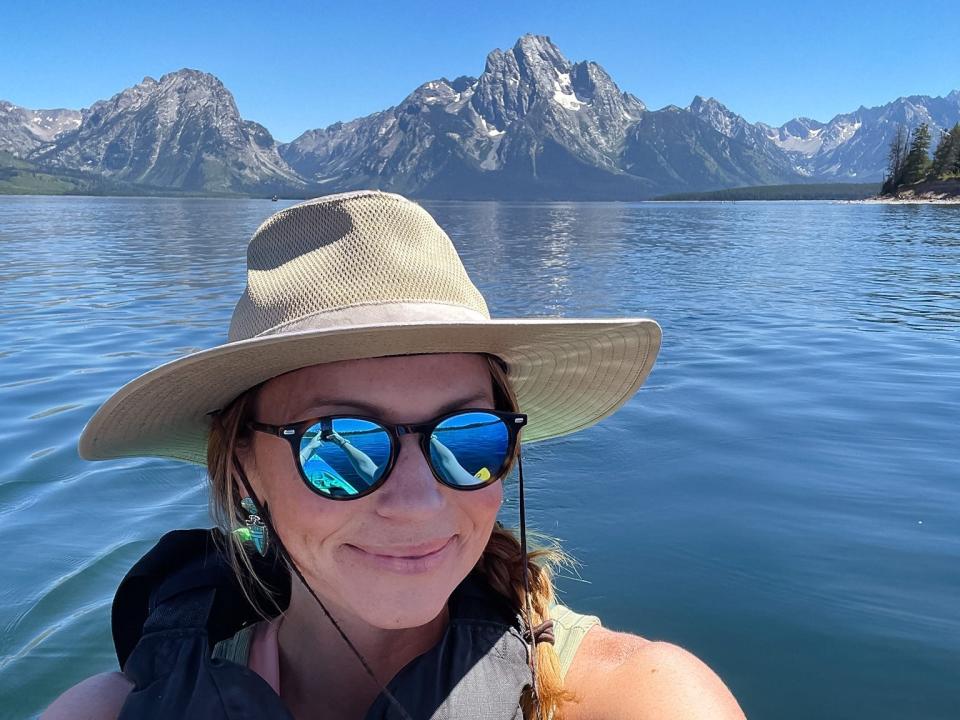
<point x="182" y="598"/>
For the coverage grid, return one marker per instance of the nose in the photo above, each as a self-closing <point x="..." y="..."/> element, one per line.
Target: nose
<point x="411" y="492"/>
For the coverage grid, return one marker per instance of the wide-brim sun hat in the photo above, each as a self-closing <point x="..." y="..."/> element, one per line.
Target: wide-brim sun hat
<point x="370" y="274"/>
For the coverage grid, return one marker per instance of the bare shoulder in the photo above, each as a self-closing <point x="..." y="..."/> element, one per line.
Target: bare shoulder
<point x="97" y="698"/>
<point x="618" y="675"/>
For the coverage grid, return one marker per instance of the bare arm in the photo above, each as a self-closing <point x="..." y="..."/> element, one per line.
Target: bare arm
<point x="453" y="469"/>
<point x="365" y="467"/>
<point x="618" y="675"/>
<point x="97" y="698"/>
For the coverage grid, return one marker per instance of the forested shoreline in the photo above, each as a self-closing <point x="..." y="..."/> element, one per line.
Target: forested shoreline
<point x="912" y="170"/>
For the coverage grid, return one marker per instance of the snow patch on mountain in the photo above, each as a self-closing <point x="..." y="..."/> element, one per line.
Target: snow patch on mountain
<point x="488" y="129"/>
<point x="23" y="130"/>
<point x="563" y="93"/>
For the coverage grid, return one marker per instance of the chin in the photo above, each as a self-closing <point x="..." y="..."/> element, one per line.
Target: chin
<point x="392" y="605"/>
<point x="393" y="600"/>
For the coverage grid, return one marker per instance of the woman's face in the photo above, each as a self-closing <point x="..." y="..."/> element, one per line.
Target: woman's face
<point x="393" y="557"/>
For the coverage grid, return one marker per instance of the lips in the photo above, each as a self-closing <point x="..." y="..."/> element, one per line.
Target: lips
<point x="407" y="551"/>
<point x="405" y="559"/>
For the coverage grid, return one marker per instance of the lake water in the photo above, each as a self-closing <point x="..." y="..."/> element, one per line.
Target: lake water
<point x="782" y="497"/>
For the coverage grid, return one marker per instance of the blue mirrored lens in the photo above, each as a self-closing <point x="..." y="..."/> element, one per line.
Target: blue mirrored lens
<point x="469" y="449"/>
<point x="344" y="456"/>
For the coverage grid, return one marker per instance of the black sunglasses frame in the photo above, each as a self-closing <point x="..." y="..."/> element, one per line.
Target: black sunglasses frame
<point x="293" y="433"/>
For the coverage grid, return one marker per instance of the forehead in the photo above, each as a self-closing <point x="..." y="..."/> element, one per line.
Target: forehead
<point x="401" y="388"/>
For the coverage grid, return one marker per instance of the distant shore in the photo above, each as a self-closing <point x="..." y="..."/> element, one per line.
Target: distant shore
<point x="928" y="192"/>
<point x="907" y="201"/>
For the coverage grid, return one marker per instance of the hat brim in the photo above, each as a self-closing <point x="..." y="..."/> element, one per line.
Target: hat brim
<point x="567" y="374"/>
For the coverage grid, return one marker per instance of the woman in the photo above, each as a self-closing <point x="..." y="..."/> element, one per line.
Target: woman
<point x="356" y="429"/>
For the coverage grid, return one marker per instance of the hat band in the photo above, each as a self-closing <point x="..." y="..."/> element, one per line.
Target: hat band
<point x="394" y="313"/>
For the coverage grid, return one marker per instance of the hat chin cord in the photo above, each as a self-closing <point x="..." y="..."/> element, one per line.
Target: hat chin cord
<point x="531" y="635"/>
<point x="545" y="629"/>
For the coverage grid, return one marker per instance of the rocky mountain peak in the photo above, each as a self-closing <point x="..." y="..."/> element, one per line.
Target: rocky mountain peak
<point x="537" y="51"/>
<point x="168" y="98"/>
<point x="528" y="97"/>
<point x="182" y="130"/>
<point x="718" y="116"/>
<point x="801" y="127"/>
<point x="701" y="103"/>
<point x="593" y="84"/>
<point x="23" y="130"/>
<point x="431" y="92"/>
<point x="710" y="107"/>
<point x="173" y="94"/>
<point x="514" y="80"/>
<point x="534" y="76"/>
<point x="189" y="76"/>
<point x="801" y="135"/>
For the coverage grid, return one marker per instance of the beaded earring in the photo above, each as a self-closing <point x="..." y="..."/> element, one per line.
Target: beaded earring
<point x="255" y="531"/>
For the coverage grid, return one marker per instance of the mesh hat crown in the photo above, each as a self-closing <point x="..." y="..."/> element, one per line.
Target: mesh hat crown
<point x="370" y="274"/>
<point x="349" y="250"/>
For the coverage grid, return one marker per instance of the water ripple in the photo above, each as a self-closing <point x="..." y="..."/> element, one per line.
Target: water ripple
<point x="54" y="411"/>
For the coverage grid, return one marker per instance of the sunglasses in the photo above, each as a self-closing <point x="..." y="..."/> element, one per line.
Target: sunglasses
<point x="344" y="457"/>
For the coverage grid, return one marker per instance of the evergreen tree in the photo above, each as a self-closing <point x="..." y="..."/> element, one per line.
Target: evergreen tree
<point x="917" y="163"/>
<point x="946" y="154"/>
<point x="953" y="159"/>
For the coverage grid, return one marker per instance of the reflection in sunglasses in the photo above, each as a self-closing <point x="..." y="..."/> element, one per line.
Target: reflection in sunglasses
<point x="325" y="477"/>
<point x="450" y="468"/>
<point x="346" y="456"/>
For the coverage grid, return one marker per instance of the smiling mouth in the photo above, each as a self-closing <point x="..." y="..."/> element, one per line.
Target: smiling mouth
<point x="408" y="552"/>
<point x="405" y="560"/>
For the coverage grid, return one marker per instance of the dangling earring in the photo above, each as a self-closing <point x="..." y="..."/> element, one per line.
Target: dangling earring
<point x="256" y="530"/>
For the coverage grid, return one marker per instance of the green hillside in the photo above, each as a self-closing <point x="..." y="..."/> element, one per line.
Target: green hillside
<point x="18" y="177"/>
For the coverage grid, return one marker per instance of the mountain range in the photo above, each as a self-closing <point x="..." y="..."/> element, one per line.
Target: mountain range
<point x="532" y="126"/>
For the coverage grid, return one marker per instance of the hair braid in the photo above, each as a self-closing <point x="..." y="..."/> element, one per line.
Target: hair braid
<point x="502" y="565"/>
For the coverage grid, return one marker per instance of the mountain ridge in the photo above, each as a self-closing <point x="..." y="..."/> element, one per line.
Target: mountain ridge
<point x="533" y="125"/>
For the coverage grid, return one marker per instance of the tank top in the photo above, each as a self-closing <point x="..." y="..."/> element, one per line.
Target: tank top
<point x="255" y="646"/>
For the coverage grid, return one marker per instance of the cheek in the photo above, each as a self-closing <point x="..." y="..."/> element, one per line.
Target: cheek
<point x="480" y="508"/>
<point x="303" y="519"/>
<point x="484" y="504"/>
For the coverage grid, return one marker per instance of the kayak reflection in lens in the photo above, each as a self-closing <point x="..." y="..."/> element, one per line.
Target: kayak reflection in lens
<point x="362" y="464"/>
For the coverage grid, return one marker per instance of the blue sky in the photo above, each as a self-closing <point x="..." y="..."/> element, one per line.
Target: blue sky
<point x="298" y="65"/>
